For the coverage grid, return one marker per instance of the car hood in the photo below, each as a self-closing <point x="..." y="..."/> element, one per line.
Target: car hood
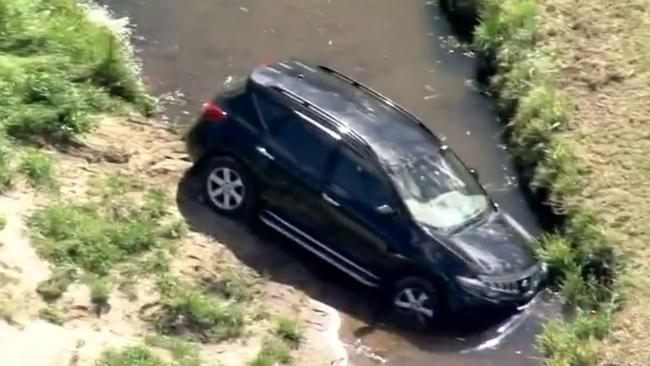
<point x="496" y="246"/>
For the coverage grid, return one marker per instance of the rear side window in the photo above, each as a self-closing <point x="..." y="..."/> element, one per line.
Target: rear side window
<point x="307" y="147"/>
<point x="353" y="180"/>
<point x="272" y="112"/>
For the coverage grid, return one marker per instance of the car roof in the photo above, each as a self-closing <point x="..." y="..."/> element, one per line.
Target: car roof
<point x="390" y="131"/>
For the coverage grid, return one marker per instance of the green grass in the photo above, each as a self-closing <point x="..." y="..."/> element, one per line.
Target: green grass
<point x="290" y="330"/>
<point x="274" y="352"/>
<point x="3" y="222"/>
<point x="52" y="315"/>
<point x="235" y="284"/>
<point x="6" y="168"/>
<point x="184" y="353"/>
<point x="38" y="167"/>
<point x="80" y="235"/>
<point x="276" y="349"/>
<point x="198" y="316"/>
<point x="176" y="229"/>
<point x="131" y="356"/>
<point x="156" y="202"/>
<point x="57" y="68"/>
<point x="95" y="236"/>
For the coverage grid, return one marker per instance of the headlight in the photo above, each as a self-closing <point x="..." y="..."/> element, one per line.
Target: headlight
<point x="470" y="283"/>
<point x="476" y="286"/>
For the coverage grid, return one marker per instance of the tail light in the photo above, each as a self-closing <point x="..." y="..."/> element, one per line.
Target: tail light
<point x="212" y="112"/>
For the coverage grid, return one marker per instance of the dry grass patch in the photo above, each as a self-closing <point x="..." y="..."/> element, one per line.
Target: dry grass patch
<point x="603" y="48"/>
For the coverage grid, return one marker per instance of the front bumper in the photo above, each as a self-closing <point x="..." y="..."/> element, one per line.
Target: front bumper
<point x="504" y="291"/>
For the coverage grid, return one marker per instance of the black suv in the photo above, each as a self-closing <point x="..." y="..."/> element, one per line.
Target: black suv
<point x="358" y="181"/>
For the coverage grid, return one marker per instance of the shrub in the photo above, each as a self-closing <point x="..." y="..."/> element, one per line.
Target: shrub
<point x="52" y="288"/>
<point x="574" y="343"/>
<point x="508" y="27"/>
<point x="100" y="290"/>
<point x="52" y="315"/>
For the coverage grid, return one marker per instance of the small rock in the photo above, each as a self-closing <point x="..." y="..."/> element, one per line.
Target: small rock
<point x="93" y="159"/>
<point x="116" y="156"/>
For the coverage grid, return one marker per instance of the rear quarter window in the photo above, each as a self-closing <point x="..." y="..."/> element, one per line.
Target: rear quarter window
<point x="241" y="105"/>
<point x="273" y="113"/>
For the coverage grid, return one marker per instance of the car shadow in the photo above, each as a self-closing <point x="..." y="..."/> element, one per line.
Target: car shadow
<point x="281" y="261"/>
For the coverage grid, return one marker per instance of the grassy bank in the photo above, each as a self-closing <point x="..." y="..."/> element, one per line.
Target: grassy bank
<point x="571" y="77"/>
<point x="58" y="67"/>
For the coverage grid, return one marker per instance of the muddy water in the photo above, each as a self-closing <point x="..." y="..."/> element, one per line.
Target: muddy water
<point x="401" y="48"/>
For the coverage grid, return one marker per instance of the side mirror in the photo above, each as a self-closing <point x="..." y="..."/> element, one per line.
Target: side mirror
<point x="474" y="173"/>
<point x="386" y="210"/>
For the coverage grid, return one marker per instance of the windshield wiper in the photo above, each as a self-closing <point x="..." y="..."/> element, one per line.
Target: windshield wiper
<point x="472" y="221"/>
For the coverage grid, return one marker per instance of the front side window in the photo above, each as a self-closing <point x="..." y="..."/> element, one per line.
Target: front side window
<point x="438" y="190"/>
<point x="353" y="180"/>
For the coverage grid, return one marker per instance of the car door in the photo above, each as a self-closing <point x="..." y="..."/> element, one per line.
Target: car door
<point x="355" y="191"/>
<point x="297" y="153"/>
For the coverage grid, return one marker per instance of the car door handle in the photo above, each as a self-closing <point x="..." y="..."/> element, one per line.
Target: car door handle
<point x="330" y="200"/>
<point x="262" y="150"/>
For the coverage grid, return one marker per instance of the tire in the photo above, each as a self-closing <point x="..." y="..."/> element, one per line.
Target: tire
<point x="416" y="303"/>
<point x="229" y="188"/>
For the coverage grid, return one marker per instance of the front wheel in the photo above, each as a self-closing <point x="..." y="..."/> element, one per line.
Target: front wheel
<point x="229" y="188"/>
<point x="416" y="303"/>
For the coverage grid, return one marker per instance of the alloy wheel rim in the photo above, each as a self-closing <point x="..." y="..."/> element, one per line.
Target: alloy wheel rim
<point x="226" y="188"/>
<point x="415" y="303"/>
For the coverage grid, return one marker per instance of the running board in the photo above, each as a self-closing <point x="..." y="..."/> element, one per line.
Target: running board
<point x="319" y="249"/>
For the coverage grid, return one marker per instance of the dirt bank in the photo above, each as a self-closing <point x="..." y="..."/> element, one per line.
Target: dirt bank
<point x="139" y="148"/>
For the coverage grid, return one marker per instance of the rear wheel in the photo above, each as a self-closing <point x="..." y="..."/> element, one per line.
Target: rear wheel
<point x="229" y="188"/>
<point x="416" y="303"/>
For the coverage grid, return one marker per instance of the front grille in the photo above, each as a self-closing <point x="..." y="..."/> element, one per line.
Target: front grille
<point x="515" y="285"/>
